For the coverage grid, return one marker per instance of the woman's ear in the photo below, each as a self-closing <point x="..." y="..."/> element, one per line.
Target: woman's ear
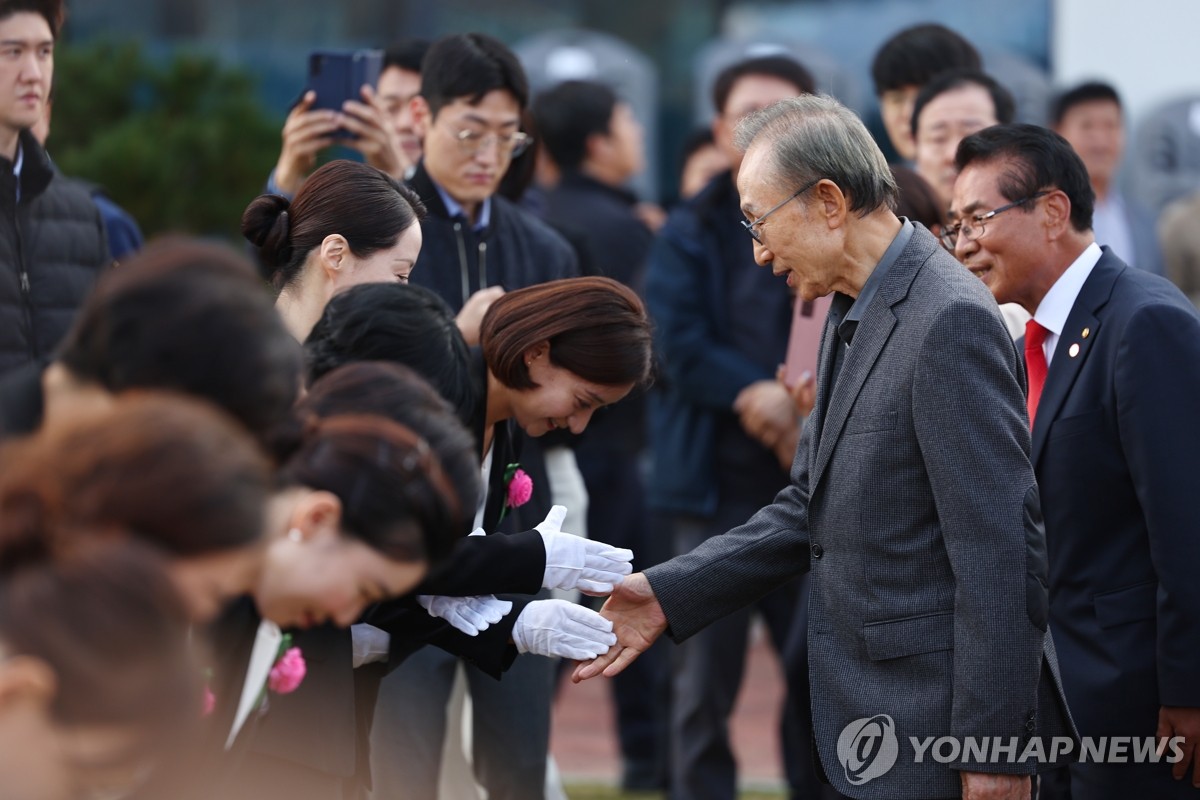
<point x="538" y="351"/>
<point x="334" y="254"/>
<point x="316" y="517"/>
<point x="26" y="678"/>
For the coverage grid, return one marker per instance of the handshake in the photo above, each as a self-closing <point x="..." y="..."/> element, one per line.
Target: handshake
<point x="550" y="627"/>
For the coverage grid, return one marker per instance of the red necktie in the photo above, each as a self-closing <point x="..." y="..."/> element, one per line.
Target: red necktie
<point x="1035" y="364"/>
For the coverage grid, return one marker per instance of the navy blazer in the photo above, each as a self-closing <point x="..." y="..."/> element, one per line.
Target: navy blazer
<point x="1115" y="444"/>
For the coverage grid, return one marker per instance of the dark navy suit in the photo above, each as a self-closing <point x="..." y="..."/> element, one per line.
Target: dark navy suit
<point x="1115" y="446"/>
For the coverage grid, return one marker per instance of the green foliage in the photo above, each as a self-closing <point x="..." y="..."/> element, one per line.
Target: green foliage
<point x="183" y="146"/>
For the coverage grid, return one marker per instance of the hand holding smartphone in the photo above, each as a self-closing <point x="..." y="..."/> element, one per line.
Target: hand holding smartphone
<point x="336" y="76"/>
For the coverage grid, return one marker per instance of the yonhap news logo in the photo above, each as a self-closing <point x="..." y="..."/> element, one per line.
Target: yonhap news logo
<point x="868" y="748"/>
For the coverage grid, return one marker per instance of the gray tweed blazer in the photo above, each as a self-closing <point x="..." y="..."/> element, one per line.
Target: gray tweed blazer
<point x="913" y="505"/>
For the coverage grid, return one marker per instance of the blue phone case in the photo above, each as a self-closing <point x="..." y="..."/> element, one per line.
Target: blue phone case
<point x="339" y="75"/>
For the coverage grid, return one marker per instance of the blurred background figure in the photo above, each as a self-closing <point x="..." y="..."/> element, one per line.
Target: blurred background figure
<point x="701" y="161"/>
<point x="1089" y="116"/>
<point x="121" y="229"/>
<point x="1180" y="233"/>
<point x="597" y="144"/>
<point x="917" y="200"/>
<point x="948" y="108"/>
<point x="906" y="62"/>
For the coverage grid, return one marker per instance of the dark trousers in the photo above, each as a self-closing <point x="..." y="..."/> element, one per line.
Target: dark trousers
<point x="805" y="777"/>
<point x="617" y="515"/>
<point x="510" y="727"/>
<point x="707" y="673"/>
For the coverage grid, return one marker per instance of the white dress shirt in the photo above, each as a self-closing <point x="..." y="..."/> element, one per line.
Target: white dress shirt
<point x="1056" y="306"/>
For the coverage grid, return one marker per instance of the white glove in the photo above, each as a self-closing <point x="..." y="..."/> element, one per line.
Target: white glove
<point x="370" y="644"/>
<point x="559" y="628"/>
<point x="469" y="614"/>
<point x="573" y="562"/>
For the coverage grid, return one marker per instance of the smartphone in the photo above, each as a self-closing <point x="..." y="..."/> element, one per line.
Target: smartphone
<point x="804" y="343"/>
<point x="339" y="75"/>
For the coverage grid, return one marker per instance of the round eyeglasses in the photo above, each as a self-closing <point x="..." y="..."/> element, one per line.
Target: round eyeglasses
<point x="971" y="229"/>
<point x="751" y="226"/>
<point x="510" y="144"/>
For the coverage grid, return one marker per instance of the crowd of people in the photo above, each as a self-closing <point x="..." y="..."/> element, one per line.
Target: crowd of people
<point x="312" y="517"/>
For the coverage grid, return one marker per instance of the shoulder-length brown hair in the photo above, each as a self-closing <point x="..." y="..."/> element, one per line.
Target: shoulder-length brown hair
<point x="596" y="327"/>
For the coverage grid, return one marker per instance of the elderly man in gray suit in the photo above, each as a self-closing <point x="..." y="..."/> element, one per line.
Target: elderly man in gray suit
<point x="912" y="501"/>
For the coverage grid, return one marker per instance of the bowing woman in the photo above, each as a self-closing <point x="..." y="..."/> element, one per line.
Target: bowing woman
<point x="96" y="678"/>
<point x="551" y="356"/>
<point x="359" y="512"/>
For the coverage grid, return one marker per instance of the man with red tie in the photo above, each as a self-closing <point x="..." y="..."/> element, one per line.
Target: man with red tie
<point x="1113" y="361"/>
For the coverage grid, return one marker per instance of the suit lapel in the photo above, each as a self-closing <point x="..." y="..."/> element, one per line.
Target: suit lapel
<point x="872" y="334"/>
<point x="1065" y="367"/>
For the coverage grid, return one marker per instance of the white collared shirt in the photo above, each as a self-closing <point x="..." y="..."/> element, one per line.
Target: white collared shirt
<point x="262" y="659"/>
<point x="1056" y="306"/>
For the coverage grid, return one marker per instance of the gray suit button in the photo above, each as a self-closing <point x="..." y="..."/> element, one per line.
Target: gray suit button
<point x="817" y="551"/>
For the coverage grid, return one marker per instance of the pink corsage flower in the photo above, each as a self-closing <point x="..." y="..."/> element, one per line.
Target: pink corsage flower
<point x="210" y="702"/>
<point x="288" y="672"/>
<point x="520" y="486"/>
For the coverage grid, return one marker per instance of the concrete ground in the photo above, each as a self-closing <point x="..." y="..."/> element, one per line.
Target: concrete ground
<point x="583" y="738"/>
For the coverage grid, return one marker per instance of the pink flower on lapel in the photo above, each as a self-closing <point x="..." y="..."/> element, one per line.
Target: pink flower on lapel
<point x="520" y="488"/>
<point x="288" y="672"/>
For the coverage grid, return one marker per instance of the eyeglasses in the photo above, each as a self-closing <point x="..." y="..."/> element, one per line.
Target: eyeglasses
<point x="751" y="226"/>
<point x="974" y="228"/>
<point x="511" y="144"/>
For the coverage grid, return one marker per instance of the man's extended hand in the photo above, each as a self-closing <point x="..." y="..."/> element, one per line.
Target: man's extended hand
<point x="637" y="620"/>
<point x="1185" y="722"/>
<point x="989" y="786"/>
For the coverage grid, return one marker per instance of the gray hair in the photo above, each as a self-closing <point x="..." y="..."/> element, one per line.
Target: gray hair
<point x="813" y="137"/>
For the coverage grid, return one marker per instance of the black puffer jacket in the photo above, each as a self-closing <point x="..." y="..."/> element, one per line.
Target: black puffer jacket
<point x="52" y="246"/>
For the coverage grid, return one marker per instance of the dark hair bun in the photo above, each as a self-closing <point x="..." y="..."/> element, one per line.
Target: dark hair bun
<point x="267" y="225"/>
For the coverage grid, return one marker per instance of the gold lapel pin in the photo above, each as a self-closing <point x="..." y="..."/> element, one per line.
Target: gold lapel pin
<point x="1087" y="332"/>
<point x="1074" y="351"/>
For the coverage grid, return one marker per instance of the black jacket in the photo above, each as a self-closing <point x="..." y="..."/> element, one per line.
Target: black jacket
<point x="52" y="245"/>
<point x="515" y="250"/>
